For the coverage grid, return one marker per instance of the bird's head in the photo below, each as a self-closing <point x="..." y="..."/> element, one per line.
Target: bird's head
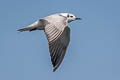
<point x="70" y="17"/>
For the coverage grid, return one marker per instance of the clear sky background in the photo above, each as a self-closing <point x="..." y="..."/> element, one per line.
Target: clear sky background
<point x="93" y="53"/>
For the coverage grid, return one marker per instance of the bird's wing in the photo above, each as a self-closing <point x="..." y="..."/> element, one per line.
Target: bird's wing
<point x="58" y="41"/>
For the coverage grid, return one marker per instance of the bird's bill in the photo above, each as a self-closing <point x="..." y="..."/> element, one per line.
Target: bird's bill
<point x="78" y="18"/>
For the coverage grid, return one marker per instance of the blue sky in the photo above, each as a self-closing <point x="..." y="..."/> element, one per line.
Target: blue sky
<point x="93" y="53"/>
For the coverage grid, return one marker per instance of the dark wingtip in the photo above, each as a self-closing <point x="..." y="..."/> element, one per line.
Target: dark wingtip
<point x="54" y="69"/>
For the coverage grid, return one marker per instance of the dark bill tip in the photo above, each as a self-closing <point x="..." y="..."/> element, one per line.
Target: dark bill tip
<point x="78" y="18"/>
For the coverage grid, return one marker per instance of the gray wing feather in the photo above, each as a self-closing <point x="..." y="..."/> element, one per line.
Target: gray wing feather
<point x="52" y="32"/>
<point x="58" y="48"/>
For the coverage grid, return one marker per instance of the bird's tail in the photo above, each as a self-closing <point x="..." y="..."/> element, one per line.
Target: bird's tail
<point x="35" y="26"/>
<point x="31" y="28"/>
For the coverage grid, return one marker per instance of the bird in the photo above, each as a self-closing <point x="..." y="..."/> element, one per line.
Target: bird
<point x="57" y="32"/>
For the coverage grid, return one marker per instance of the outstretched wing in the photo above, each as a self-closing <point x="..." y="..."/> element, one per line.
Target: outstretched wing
<point x="58" y="41"/>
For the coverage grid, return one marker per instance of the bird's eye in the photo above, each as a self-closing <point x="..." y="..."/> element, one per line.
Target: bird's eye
<point x="71" y="16"/>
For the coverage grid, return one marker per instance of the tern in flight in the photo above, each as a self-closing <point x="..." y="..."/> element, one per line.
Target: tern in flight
<point x="57" y="32"/>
